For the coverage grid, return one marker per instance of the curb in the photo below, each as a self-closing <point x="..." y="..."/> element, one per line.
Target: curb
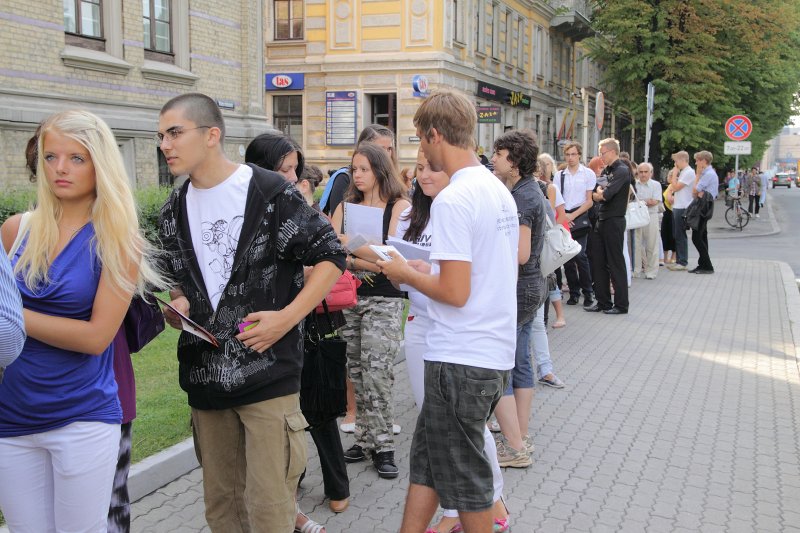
<point x="792" y="287"/>
<point x="152" y="473"/>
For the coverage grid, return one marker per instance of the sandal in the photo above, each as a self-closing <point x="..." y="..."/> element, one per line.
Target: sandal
<point x="310" y="526"/>
<point x="559" y="324"/>
<point x="501" y="525"/>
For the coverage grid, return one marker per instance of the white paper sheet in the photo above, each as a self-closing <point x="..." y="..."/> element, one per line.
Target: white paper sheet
<point x="364" y="221"/>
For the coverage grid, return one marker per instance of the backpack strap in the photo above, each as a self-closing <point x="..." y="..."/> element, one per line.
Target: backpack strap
<point x="323" y="202"/>
<point x="387" y="218"/>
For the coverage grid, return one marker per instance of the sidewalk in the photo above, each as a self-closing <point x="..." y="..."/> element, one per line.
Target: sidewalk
<point x="680" y="416"/>
<point x="766" y="224"/>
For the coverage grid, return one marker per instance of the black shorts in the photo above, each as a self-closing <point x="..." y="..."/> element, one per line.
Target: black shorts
<point x="447" y="452"/>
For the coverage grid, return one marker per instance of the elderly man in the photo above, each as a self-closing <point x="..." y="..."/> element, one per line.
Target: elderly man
<point x="645" y="261"/>
<point x="707" y="182"/>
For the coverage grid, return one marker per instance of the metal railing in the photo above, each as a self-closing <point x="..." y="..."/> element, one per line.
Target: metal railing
<point x="583" y="7"/>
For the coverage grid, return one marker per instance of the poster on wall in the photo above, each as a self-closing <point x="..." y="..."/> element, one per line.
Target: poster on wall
<point x="340" y="118"/>
<point x="488" y="114"/>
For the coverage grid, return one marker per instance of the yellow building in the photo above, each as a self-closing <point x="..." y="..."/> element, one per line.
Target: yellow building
<point x="335" y="66"/>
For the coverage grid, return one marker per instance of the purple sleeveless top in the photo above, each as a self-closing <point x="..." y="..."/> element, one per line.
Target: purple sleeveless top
<point x="47" y="388"/>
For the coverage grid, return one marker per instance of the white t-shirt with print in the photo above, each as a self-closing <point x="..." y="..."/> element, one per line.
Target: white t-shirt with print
<point x="418" y="302"/>
<point x="215" y="222"/>
<point x="475" y="220"/>
<point x="683" y="197"/>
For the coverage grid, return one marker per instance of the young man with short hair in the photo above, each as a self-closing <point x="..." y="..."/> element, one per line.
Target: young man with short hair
<point x="471" y="343"/>
<point x="236" y="239"/>
<point x="576" y="183"/>
<point x="681" y="191"/>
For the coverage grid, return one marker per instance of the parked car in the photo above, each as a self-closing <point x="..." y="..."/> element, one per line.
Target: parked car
<point x="783" y="179"/>
<point x="797" y="180"/>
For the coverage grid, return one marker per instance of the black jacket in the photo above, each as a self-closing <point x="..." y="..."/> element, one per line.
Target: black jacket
<point x="701" y="208"/>
<point x="280" y="233"/>
<point x="615" y="195"/>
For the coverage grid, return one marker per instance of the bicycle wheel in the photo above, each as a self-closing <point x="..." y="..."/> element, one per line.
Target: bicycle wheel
<point x="744" y="218"/>
<point x="730" y="217"/>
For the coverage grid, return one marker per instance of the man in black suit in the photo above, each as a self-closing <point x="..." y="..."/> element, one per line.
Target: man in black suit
<point x="608" y="262"/>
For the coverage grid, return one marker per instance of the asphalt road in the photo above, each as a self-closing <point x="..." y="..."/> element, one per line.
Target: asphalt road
<point x="783" y="246"/>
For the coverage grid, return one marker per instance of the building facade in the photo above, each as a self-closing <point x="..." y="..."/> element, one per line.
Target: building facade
<point x="335" y="66"/>
<point x="123" y="59"/>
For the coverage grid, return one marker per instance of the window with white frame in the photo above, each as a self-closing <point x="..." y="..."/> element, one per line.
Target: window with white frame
<point x="508" y="30"/>
<point x="287" y="115"/>
<point x="522" y="30"/>
<point x="288" y="18"/>
<point x="539" y="52"/>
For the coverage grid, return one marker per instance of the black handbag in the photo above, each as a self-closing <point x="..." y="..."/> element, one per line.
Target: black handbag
<point x="582" y="224"/>
<point x="143" y="322"/>
<point x="323" y="382"/>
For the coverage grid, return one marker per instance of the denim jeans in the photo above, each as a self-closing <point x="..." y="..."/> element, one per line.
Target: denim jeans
<point x="522" y="374"/>
<point x="541" y="346"/>
<point x="681" y="240"/>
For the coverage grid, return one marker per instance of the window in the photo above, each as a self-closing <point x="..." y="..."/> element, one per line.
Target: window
<point x="384" y="107"/>
<point x="287" y="116"/>
<point x="157" y="18"/>
<point x="480" y="28"/>
<point x="288" y="19"/>
<point x="83" y="23"/>
<point x="521" y="34"/>
<point x="458" y="21"/>
<point x="509" y="33"/>
<point x="495" y="31"/>
<point x="165" y="177"/>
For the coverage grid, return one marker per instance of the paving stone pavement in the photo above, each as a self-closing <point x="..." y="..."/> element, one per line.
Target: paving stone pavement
<point x="680" y="416"/>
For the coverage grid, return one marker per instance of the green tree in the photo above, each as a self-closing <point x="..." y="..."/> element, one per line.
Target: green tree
<point x="708" y="59"/>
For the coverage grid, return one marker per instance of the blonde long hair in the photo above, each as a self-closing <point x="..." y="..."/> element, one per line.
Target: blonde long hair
<point x="118" y="239"/>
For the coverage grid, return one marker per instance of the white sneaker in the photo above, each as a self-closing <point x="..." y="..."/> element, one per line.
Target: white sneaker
<point x="758" y="216"/>
<point x="395" y="429"/>
<point x="348" y="428"/>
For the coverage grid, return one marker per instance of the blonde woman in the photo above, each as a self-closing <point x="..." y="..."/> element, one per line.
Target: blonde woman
<point x="80" y="259"/>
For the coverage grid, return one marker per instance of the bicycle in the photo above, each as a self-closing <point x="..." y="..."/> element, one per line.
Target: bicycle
<point x="737" y="216"/>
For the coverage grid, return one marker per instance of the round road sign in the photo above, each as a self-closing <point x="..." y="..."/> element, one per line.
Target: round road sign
<point x="738" y="128"/>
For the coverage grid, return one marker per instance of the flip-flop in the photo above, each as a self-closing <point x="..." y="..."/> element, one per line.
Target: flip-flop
<point x="559" y="324"/>
<point x="310" y="526"/>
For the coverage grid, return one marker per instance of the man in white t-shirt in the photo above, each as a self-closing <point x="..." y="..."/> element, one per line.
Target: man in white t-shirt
<point x="576" y="183"/>
<point x="681" y="191"/>
<point x="471" y="343"/>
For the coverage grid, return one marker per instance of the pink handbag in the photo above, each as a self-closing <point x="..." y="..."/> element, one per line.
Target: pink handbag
<point x="343" y="294"/>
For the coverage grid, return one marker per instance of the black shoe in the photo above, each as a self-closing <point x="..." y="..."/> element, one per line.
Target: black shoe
<point x="384" y="464"/>
<point x="354" y="454"/>
<point x="573" y="300"/>
<point x="615" y="311"/>
<point x="588" y="300"/>
<point x="594" y="308"/>
<point x="704" y="271"/>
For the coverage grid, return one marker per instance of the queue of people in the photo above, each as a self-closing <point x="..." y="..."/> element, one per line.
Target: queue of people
<point x="248" y="253"/>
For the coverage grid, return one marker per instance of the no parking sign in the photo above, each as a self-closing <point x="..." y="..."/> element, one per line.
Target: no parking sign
<point x="738" y="128"/>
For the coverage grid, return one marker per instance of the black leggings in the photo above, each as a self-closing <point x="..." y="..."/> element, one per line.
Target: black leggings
<point x="754" y="198"/>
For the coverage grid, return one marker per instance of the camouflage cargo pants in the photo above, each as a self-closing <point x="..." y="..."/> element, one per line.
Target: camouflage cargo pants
<point x="373" y="334"/>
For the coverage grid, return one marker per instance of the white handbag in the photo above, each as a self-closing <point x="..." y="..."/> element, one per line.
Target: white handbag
<point x="559" y="247"/>
<point x="637" y="215"/>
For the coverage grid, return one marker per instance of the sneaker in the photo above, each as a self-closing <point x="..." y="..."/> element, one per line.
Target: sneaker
<point x="588" y="301"/>
<point x="528" y="441"/>
<point x="552" y="381"/>
<point x="384" y="464"/>
<point x="354" y="454"/>
<point x="573" y="300"/>
<point x="676" y="266"/>
<point x="348" y="428"/>
<point x="508" y="457"/>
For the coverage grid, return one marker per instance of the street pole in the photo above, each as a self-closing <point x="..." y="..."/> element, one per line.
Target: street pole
<point x="736" y="172"/>
<point x="585" y="98"/>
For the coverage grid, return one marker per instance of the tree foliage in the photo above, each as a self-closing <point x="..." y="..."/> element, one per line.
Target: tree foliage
<point x="708" y="60"/>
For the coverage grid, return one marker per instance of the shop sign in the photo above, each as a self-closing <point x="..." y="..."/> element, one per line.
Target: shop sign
<point x="420" y="86"/>
<point x="506" y="96"/>
<point x="488" y="114"/>
<point x="291" y="81"/>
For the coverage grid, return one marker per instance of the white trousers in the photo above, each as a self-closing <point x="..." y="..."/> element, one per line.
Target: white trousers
<point x="645" y="251"/>
<point x="415" y="347"/>
<point x="59" y="480"/>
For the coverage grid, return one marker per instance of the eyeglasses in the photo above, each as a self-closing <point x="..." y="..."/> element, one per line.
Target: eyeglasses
<point x="173" y="133"/>
<point x="604" y="153"/>
<point x="574" y="154"/>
